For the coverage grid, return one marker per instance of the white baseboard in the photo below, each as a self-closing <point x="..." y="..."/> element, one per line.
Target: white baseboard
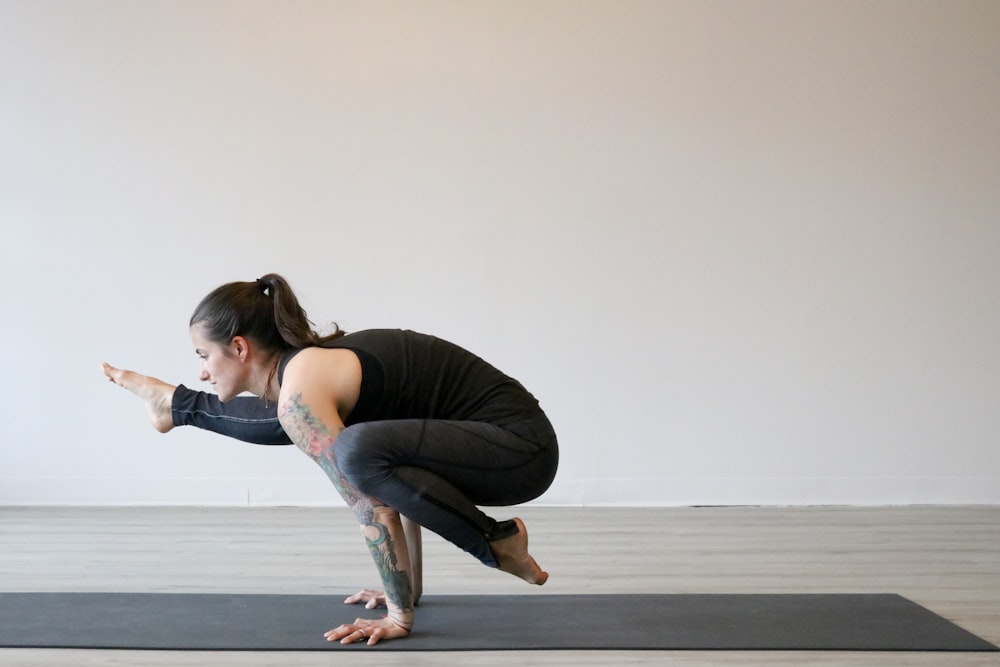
<point x="659" y="492"/>
<point x="861" y="491"/>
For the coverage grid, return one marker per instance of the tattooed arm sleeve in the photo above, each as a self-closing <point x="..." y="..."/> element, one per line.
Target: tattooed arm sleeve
<point x="314" y="429"/>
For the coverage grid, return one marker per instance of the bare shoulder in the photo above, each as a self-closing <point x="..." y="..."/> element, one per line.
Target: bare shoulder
<point x="331" y="376"/>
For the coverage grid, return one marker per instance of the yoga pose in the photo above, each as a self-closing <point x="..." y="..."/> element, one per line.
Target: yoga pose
<point x="412" y="431"/>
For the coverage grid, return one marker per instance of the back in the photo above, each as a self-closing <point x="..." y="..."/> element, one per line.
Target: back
<point x="429" y="378"/>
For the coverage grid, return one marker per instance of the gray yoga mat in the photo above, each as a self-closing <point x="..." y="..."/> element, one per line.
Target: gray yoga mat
<point x="488" y="622"/>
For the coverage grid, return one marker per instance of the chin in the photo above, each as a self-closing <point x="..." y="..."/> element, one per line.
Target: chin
<point x="224" y="396"/>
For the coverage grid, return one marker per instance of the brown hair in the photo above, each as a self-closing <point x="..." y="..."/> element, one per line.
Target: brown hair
<point x="264" y="311"/>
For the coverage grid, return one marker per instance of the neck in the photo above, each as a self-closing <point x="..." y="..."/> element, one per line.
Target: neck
<point x="268" y="383"/>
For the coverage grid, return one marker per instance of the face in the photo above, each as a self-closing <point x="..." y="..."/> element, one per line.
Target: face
<point x="221" y="365"/>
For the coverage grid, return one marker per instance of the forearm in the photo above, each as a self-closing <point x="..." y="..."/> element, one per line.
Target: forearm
<point x="414" y="546"/>
<point x="382" y="527"/>
<point x="387" y="543"/>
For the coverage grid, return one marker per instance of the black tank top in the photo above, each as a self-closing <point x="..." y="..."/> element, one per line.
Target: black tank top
<point x="406" y="375"/>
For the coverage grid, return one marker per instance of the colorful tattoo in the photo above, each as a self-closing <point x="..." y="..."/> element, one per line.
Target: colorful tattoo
<point x="317" y="440"/>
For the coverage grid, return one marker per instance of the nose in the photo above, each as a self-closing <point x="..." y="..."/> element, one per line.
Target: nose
<point x="203" y="375"/>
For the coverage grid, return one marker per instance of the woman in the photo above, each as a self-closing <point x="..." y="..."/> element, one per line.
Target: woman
<point x="403" y="424"/>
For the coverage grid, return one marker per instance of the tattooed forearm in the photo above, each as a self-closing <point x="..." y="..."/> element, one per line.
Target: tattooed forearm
<point x="378" y="521"/>
<point x="397" y="582"/>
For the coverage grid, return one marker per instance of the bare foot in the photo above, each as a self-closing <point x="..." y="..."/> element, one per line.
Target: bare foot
<point x="157" y="394"/>
<point x="513" y="557"/>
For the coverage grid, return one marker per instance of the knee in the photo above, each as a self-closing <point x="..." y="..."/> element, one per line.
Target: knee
<point x="353" y="455"/>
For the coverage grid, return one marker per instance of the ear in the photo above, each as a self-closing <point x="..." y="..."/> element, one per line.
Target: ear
<point x="240" y="347"/>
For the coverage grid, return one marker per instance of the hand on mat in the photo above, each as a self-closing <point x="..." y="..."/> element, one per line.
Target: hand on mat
<point x="372" y="599"/>
<point x="374" y="630"/>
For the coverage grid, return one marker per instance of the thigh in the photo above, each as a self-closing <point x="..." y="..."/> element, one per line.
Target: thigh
<point x="489" y="464"/>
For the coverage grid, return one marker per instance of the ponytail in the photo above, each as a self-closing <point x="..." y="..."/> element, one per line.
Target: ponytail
<point x="265" y="311"/>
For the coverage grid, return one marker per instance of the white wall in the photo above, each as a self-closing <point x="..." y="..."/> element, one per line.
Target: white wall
<point x="743" y="252"/>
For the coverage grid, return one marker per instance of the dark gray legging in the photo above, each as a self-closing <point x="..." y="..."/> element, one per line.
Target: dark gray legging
<point x="434" y="472"/>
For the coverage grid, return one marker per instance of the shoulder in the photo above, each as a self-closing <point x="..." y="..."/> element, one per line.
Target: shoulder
<point x="320" y="365"/>
<point x="331" y="376"/>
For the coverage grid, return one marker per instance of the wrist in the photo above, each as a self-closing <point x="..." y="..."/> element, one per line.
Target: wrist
<point x="403" y="619"/>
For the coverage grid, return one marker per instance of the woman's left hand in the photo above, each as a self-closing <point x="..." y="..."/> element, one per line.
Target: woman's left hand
<point x="372" y="630"/>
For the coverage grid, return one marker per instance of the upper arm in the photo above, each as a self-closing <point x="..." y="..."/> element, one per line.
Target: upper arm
<point x="309" y="405"/>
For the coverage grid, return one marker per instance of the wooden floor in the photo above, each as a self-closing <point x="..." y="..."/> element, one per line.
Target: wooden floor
<point x="945" y="558"/>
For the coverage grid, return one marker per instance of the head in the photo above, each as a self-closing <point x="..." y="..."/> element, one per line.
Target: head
<point x="241" y="329"/>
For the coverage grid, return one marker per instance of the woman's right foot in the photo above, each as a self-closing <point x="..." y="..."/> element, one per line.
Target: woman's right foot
<point x="512" y="557"/>
<point x="156" y="394"/>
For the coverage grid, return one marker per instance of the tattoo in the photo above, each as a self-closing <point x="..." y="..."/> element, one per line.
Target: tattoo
<point x="317" y="441"/>
<point x="398" y="588"/>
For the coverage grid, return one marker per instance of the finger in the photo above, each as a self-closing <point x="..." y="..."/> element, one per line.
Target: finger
<point x="356" y="636"/>
<point x="372" y="604"/>
<point x="361" y="596"/>
<point x="376" y="634"/>
<point x="339" y="632"/>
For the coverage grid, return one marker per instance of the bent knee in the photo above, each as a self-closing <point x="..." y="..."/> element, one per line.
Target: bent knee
<point x="352" y="453"/>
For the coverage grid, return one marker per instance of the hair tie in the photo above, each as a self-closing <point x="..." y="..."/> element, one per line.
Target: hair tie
<point x="262" y="285"/>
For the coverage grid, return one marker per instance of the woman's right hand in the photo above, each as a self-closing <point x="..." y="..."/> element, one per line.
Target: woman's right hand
<point x="370" y="631"/>
<point x="371" y="599"/>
